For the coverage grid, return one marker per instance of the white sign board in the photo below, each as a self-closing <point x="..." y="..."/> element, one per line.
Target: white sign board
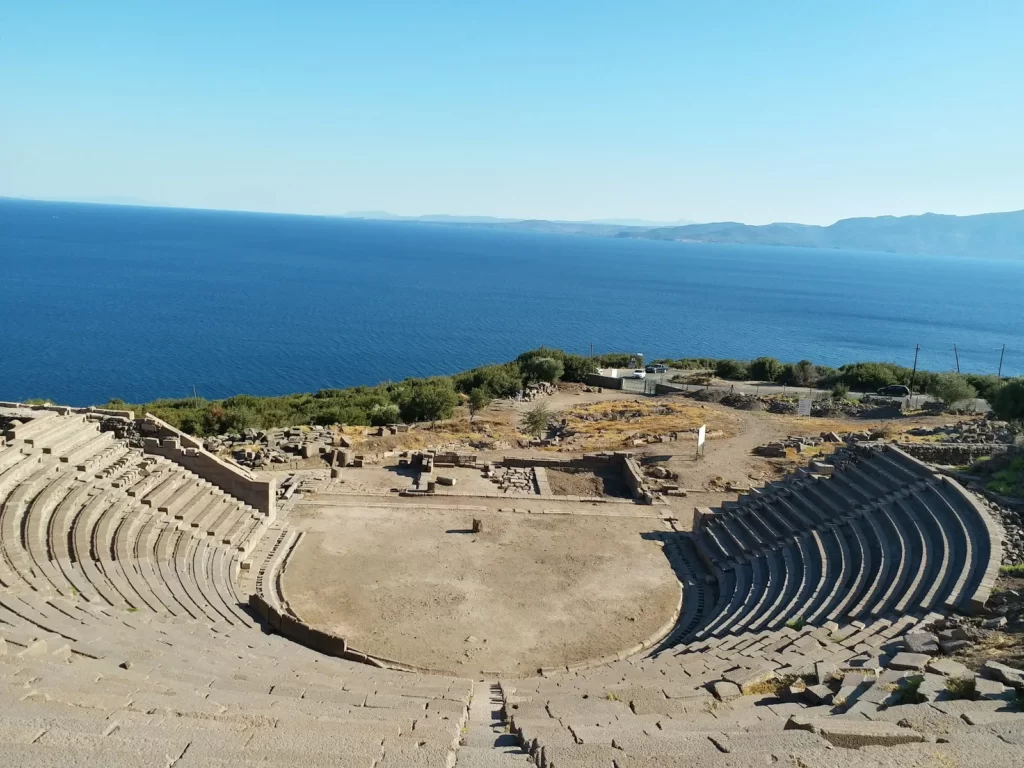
<point x="804" y="406"/>
<point x="702" y="435"/>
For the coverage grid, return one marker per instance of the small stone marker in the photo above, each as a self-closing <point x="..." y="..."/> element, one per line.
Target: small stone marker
<point x="478" y="525"/>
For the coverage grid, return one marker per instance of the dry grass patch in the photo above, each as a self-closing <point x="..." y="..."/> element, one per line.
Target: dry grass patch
<point x="612" y="424"/>
<point x="774" y="685"/>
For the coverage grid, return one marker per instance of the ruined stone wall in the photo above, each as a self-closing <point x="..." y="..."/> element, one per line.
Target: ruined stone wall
<point x="590" y="461"/>
<point x="295" y="629"/>
<point x="634" y="477"/>
<point x="161" y="439"/>
<point x="951" y="454"/>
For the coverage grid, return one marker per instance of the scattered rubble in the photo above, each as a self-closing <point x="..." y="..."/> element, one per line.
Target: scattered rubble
<point x="974" y="431"/>
<point x="259" y="448"/>
<point x="777" y="449"/>
<point x="1013" y="532"/>
<point x="512" y="479"/>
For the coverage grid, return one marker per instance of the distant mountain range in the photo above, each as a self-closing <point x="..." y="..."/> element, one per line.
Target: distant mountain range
<point x="590" y="227"/>
<point x="992" y="235"/>
<point x="996" y="235"/>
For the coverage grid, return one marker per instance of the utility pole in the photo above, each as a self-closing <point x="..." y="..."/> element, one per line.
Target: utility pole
<point x="957" y="356"/>
<point x="1000" y="374"/>
<point x="913" y="374"/>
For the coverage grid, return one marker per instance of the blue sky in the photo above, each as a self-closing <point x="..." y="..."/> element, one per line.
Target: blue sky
<point x="749" y="111"/>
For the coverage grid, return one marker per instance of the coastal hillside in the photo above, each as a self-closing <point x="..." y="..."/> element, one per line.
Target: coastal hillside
<point x="992" y="235"/>
<point x="987" y="235"/>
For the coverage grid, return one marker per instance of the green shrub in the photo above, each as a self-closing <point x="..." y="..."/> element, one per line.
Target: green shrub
<point x="430" y="400"/>
<point x="765" y="369"/>
<point x="869" y="377"/>
<point x="732" y="370"/>
<point x="499" y="380"/>
<point x="840" y="391"/>
<point x="535" y="421"/>
<point x="547" y="369"/>
<point x="384" y="413"/>
<point x="951" y="388"/>
<point x="985" y="385"/>
<point x="479" y="399"/>
<point x="577" y="368"/>
<point x="1010" y="480"/>
<point x="616" y="360"/>
<point x="1007" y="401"/>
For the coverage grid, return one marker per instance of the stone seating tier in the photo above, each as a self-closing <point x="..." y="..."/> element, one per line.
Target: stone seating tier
<point x="125" y="637"/>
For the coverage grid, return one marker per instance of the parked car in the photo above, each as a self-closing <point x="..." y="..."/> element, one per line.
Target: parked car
<point x="639" y="373"/>
<point x="656" y="369"/>
<point x="895" y="390"/>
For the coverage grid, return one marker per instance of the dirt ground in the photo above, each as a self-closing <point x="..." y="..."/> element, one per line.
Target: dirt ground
<point x="531" y="591"/>
<point x="728" y="461"/>
<point x="402" y="579"/>
<point x="587" y="483"/>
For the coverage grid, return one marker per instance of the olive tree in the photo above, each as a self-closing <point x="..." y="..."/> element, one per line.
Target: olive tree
<point x="951" y="388"/>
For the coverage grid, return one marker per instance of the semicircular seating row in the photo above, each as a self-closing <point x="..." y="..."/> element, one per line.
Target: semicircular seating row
<point x="83" y="515"/>
<point x="124" y="639"/>
<point x="813" y="582"/>
<point x="873" y="534"/>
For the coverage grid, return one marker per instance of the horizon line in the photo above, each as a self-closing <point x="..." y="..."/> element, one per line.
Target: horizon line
<point x="419" y="218"/>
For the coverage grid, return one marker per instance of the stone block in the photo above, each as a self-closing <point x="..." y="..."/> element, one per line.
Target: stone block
<point x="818" y="694"/>
<point x="921" y="642"/>
<point x="725" y="690"/>
<point x="993" y="690"/>
<point x="948" y="668"/>
<point x="824" y="671"/>
<point x="993" y="670"/>
<point x="748" y="678"/>
<point x="906" y="660"/>
<point x="950" y="647"/>
<point x="853" y="733"/>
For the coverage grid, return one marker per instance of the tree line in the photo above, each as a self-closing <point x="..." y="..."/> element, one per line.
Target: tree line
<point x="431" y="399"/>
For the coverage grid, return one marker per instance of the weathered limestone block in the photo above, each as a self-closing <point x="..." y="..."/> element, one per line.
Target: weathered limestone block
<point x="993" y="670"/>
<point x="948" y="668"/>
<point x="854" y="733"/>
<point x="921" y="642"/>
<point x="725" y="690"/>
<point x="906" y="660"/>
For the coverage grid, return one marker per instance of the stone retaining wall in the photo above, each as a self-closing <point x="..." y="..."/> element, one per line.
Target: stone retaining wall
<point x="951" y="454"/>
<point x="161" y="439"/>
<point x="630" y="469"/>
<point x="294" y="629"/>
<point x="634" y="477"/>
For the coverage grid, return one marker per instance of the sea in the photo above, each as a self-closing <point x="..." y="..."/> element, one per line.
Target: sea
<point x="100" y="302"/>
